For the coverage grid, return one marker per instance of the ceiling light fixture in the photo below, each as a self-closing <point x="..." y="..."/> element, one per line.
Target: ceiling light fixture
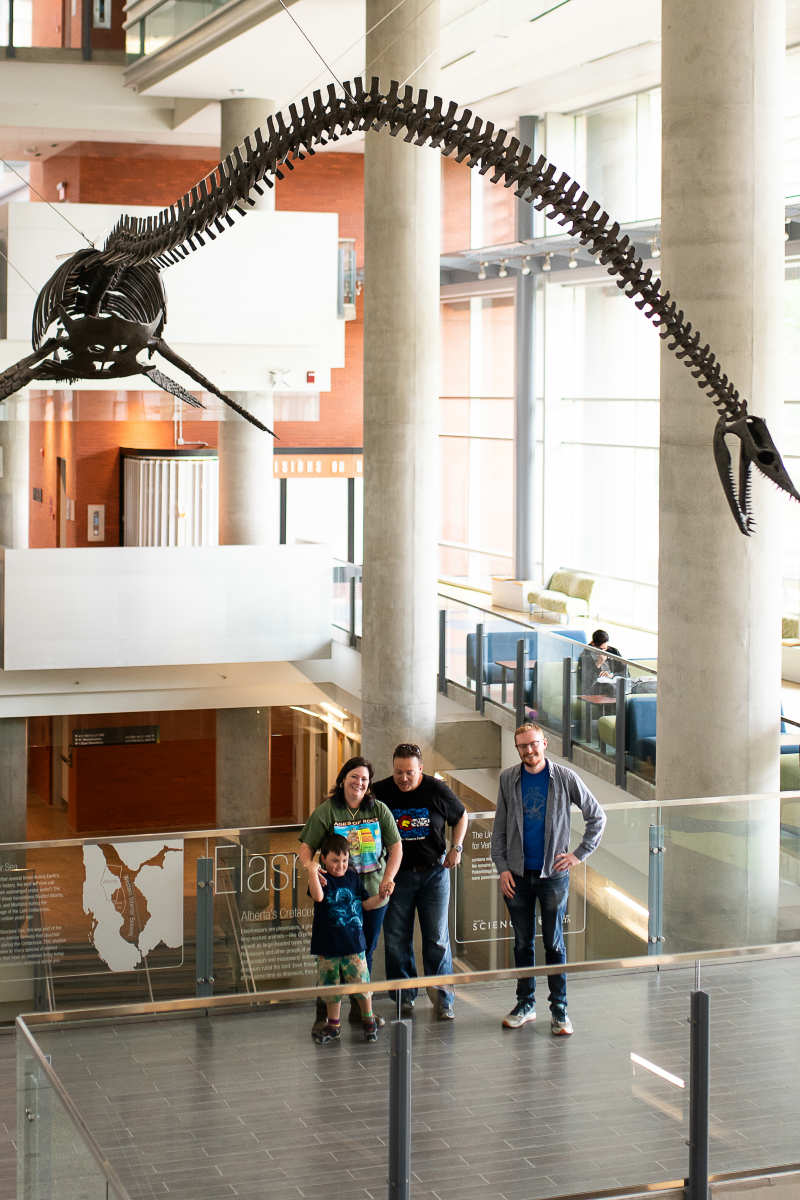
<point x="573" y="262"/>
<point x="502" y="270"/>
<point x="482" y="270"/>
<point x="655" y="248"/>
<point x="547" y="265"/>
<point x="526" y="265"/>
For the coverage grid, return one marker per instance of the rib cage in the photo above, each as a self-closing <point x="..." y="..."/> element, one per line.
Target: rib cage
<point x="207" y="208"/>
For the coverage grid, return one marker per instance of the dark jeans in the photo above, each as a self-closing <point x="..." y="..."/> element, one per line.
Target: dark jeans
<point x="373" y="921"/>
<point x="552" y="896"/>
<point x="425" y="894"/>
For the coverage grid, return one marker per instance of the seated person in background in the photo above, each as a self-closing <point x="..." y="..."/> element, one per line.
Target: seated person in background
<point x="595" y="669"/>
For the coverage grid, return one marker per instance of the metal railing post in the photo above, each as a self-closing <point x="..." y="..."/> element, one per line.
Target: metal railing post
<point x="351" y="632"/>
<point x="621" y="773"/>
<point x="699" y="1060"/>
<point x="400" y="1111"/>
<point x="442" y="681"/>
<point x="566" y="708"/>
<point x="655" y="890"/>
<point x="479" y="668"/>
<point x="519" y="682"/>
<point x="204" y="929"/>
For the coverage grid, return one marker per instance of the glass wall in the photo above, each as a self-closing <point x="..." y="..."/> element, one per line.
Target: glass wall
<point x="476" y="438"/>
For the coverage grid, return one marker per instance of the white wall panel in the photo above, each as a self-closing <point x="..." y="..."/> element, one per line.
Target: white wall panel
<point x="261" y="297"/>
<point x="134" y="606"/>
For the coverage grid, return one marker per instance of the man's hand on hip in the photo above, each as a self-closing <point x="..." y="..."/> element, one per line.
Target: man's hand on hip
<point x="563" y="862"/>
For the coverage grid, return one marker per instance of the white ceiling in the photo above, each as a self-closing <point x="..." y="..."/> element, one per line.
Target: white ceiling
<point x="505" y="57"/>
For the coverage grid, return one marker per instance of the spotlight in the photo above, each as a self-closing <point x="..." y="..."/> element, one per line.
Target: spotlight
<point x="547" y="264"/>
<point x="655" y="248"/>
<point x="502" y="270"/>
<point x="526" y="265"/>
<point x="573" y="262"/>
<point x="482" y="270"/>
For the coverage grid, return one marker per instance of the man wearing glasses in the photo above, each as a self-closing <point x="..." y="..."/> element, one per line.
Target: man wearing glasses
<point x="530" y="848"/>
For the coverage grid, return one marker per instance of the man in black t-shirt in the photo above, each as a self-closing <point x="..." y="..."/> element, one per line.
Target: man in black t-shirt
<point x="423" y="807"/>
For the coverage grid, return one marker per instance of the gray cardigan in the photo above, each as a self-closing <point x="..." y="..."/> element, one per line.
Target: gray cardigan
<point x="566" y="788"/>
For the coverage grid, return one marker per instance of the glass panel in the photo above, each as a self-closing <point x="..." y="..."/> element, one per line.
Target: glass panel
<point x="174" y="18"/>
<point x="53" y="1157"/>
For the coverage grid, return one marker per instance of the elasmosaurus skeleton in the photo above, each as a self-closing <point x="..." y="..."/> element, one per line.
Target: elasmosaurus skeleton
<point x="102" y="308"/>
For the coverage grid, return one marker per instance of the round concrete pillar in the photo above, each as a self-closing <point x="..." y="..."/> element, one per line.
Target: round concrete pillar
<point x="14" y="472"/>
<point x="719" y="592"/>
<point x="401" y="381"/>
<point x="246" y="488"/>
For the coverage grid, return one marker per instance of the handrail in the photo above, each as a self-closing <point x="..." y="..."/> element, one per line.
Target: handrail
<point x="295" y="826"/>
<point x="420" y="983"/>
<point x="109" y="1172"/>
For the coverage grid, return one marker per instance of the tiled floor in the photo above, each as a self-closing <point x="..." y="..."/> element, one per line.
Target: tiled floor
<point x="246" y="1105"/>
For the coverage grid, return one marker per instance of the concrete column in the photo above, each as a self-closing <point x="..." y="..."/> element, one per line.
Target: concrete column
<point x="401" y="385"/>
<point x="238" y="119"/>
<point x="242" y="767"/>
<point x="719" y="592"/>
<point x="13" y="779"/>
<point x="246" y="489"/>
<point x="14" y="472"/>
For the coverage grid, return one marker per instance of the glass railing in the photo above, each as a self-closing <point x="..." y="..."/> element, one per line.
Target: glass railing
<point x="57" y="1154"/>
<point x="548" y="674"/>
<point x="232" y="1096"/>
<point x="153" y="918"/>
<point x="346" y="614"/>
<point x="165" y="22"/>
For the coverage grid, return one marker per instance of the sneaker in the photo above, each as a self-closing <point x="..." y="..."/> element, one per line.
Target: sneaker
<point x="370" y="1027"/>
<point x="354" y="1016"/>
<point x="328" y="1033"/>
<point x="445" y="1011"/>
<point x="560" y="1025"/>
<point x="522" y="1012"/>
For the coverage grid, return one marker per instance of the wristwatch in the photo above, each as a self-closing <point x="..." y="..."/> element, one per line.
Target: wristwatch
<point x="456" y="846"/>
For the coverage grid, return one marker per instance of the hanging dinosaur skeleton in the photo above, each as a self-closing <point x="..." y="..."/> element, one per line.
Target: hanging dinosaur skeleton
<point x="102" y="313"/>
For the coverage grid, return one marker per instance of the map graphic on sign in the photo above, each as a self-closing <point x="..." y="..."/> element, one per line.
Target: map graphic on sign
<point x="133" y="893"/>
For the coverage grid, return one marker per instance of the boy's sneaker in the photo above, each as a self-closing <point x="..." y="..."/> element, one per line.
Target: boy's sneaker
<point x="522" y="1012"/>
<point x="328" y="1033"/>
<point x="560" y="1025"/>
<point x="370" y="1027"/>
<point x="354" y="1016"/>
<point x="445" y="1011"/>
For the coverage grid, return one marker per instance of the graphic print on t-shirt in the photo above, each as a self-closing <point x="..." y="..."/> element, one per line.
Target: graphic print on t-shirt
<point x="364" y="840"/>
<point x="344" y="910"/>
<point x="413" y="823"/>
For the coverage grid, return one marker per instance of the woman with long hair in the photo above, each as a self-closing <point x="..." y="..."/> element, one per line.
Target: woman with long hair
<point x="351" y="810"/>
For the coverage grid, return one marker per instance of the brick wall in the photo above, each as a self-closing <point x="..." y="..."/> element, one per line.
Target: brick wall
<point x="123" y="173"/>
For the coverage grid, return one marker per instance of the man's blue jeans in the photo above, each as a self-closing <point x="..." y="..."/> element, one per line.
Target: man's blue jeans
<point x="551" y="895"/>
<point x="426" y="893"/>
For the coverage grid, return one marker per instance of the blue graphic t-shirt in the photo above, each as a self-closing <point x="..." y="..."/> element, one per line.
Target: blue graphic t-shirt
<point x="338" y="926"/>
<point x="534" y="806"/>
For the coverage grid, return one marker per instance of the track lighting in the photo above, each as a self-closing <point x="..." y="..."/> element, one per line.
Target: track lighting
<point x="547" y="264"/>
<point x="573" y="262"/>
<point x="655" y="248"/>
<point x="482" y="270"/>
<point x="526" y="265"/>
<point x="502" y="270"/>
